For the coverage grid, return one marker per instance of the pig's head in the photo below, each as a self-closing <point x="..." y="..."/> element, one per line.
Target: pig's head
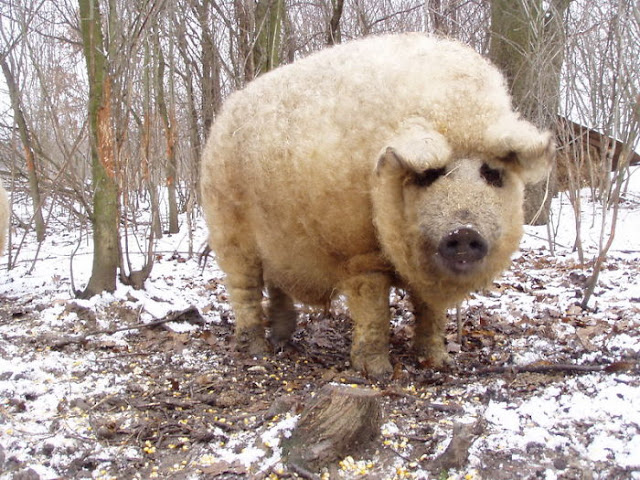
<point x="449" y="216"/>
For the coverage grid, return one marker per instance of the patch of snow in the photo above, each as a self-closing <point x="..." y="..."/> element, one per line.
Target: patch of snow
<point x="593" y="417"/>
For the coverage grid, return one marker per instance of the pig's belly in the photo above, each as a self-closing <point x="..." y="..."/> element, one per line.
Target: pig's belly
<point x="309" y="275"/>
<point x="305" y="245"/>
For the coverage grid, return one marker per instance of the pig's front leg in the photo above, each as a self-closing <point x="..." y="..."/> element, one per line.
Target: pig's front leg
<point x="368" y="301"/>
<point x="429" y="334"/>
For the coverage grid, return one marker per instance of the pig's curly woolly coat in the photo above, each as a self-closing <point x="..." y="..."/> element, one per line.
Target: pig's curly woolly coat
<point x="299" y="198"/>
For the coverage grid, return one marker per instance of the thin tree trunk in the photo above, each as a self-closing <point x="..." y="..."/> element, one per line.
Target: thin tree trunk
<point x="25" y="137"/>
<point x="245" y="21"/>
<point x="269" y="16"/>
<point x="105" y="198"/>
<point x="335" y="35"/>
<point x="211" y="98"/>
<point x="168" y="121"/>
<point x="145" y="151"/>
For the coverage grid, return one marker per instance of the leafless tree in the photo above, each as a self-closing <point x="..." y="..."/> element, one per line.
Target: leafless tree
<point x="602" y="87"/>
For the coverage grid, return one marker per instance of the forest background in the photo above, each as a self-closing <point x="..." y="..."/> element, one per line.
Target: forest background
<point x="106" y="105"/>
<point x="104" y="109"/>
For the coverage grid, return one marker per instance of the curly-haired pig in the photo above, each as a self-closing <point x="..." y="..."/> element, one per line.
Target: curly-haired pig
<point x="393" y="160"/>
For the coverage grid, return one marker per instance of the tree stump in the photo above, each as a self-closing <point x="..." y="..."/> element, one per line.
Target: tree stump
<point x="456" y="454"/>
<point x="339" y="421"/>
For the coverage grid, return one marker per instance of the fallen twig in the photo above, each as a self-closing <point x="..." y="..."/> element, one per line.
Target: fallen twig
<point x="183" y="315"/>
<point x="554" y="368"/>
<point x="439" y="407"/>
<point x="203" y="257"/>
<point x="302" y="472"/>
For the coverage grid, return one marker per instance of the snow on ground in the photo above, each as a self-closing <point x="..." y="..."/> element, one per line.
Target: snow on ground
<point x="570" y="425"/>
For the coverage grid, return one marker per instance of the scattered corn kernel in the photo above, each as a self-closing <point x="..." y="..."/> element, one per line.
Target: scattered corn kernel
<point x="149" y="448"/>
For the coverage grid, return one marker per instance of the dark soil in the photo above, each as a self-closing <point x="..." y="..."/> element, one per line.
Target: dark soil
<point x="184" y="395"/>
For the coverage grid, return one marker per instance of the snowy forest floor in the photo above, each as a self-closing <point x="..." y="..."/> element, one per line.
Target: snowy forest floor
<point x="109" y="388"/>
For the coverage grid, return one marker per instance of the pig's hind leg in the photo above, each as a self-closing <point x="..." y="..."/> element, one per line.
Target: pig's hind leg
<point x="245" y="283"/>
<point x="281" y="315"/>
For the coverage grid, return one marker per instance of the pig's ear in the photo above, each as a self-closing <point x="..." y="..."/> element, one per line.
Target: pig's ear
<point x="389" y="160"/>
<point x="415" y="149"/>
<point x="523" y="148"/>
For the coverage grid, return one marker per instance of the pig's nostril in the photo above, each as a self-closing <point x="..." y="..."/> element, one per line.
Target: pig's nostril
<point x="476" y="245"/>
<point x="462" y="248"/>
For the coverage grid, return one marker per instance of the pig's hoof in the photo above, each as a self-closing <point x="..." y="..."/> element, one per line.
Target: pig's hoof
<point x="252" y="342"/>
<point x="280" y="340"/>
<point x="438" y="360"/>
<point x="374" y="365"/>
<point x="279" y="344"/>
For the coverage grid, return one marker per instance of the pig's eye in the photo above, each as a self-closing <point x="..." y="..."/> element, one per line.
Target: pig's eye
<point x="492" y="176"/>
<point x="427" y="177"/>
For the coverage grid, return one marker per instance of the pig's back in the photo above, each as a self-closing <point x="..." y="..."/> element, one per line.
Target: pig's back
<point x="292" y="154"/>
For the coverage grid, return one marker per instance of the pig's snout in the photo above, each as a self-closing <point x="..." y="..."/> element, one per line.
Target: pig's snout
<point x="461" y="249"/>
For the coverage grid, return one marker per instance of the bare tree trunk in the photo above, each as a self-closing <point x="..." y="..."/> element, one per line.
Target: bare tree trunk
<point x="105" y="198"/>
<point x="527" y="43"/>
<point x="145" y="148"/>
<point x="443" y="17"/>
<point x="266" y="49"/>
<point x="335" y="35"/>
<point x="245" y="21"/>
<point x="211" y="99"/>
<point x="168" y="121"/>
<point x="25" y="137"/>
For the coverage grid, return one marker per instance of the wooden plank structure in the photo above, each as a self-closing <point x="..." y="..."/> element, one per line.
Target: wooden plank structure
<point x="573" y="135"/>
<point x="583" y="151"/>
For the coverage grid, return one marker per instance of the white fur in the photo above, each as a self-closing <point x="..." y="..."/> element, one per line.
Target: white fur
<point x="305" y="185"/>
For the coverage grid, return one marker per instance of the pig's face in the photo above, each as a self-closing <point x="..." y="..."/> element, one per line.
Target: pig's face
<point x="468" y="215"/>
<point x="450" y="220"/>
